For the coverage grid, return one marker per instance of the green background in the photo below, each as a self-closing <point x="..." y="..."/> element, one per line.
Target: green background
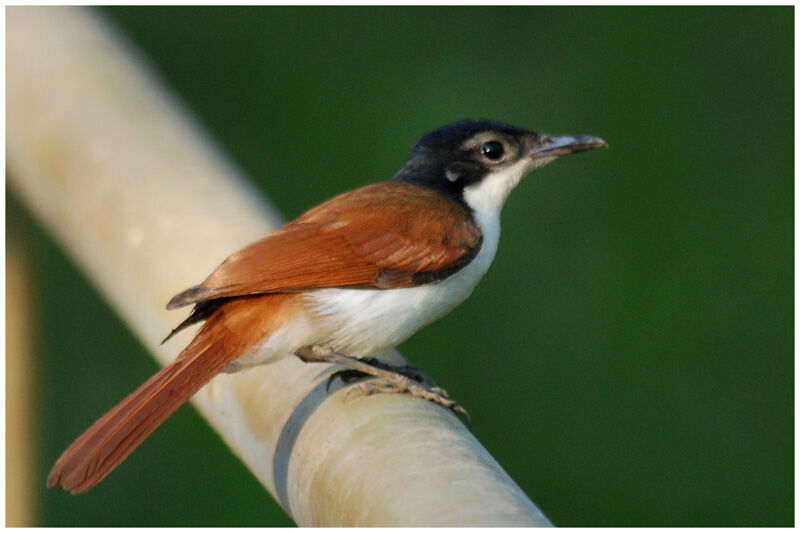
<point x="629" y="357"/>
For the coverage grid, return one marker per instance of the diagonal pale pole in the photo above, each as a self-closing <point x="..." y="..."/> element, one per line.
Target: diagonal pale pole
<point x="147" y="205"/>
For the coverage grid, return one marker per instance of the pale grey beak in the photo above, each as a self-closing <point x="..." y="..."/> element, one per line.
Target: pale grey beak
<point x="553" y="146"/>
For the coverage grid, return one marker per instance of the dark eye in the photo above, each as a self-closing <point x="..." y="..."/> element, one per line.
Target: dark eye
<point x="492" y="150"/>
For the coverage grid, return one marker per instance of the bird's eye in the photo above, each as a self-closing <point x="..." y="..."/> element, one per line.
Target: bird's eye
<point x="493" y="150"/>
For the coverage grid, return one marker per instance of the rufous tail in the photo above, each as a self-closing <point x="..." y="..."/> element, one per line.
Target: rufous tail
<point x="224" y="336"/>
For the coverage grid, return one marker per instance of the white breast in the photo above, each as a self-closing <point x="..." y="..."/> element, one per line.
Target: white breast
<point x="362" y="322"/>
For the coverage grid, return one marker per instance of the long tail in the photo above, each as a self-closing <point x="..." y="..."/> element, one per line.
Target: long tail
<point x="224" y="336"/>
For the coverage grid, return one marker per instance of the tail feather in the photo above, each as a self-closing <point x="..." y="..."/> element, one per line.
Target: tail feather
<point x="226" y="335"/>
<point x="109" y="440"/>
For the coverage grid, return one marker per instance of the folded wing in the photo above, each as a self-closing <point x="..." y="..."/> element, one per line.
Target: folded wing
<point x="386" y="235"/>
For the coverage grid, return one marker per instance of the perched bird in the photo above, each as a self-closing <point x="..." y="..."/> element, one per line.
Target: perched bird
<point x="347" y="280"/>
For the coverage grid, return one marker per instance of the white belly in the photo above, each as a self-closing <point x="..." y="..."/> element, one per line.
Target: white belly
<point x="362" y="322"/>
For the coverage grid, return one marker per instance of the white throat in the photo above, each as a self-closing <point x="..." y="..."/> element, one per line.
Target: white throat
<point x="490" y="194"/>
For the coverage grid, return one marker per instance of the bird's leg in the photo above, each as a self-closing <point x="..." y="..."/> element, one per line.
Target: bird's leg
<point x="317" y="353"/>
<point x="407" y="370"/>
<point x="389" y="379"/>
<point x="348" y="375"/>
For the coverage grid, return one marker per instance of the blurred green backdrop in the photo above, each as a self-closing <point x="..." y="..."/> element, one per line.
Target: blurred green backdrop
<point x="629" y="357"/>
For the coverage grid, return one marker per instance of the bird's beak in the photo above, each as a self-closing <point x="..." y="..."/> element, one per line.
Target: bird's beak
<point x="553" y="146"/>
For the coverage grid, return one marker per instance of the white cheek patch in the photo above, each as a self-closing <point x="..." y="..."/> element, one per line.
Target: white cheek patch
<point x="490" y="194"/>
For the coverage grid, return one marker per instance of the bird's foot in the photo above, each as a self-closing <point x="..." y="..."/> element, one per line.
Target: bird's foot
<point x="405" y="379"/>
<point x="399" y="383"/>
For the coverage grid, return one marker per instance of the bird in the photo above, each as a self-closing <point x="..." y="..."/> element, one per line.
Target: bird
<point x="348" y="279"/>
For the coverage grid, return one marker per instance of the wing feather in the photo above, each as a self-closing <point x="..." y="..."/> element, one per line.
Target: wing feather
<point x="386" y="235"/>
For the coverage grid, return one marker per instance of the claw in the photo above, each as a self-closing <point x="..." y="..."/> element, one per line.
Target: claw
<point x="458" y="410"/>
<point x="440" y="391"/>
<point x="347" y="376"/>
<point x="350" y="391"/>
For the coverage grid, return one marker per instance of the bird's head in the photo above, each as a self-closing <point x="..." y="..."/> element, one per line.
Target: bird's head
<point x="479" y="162"/>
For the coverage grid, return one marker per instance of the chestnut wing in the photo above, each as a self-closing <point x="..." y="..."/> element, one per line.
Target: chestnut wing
<point x="382" y="236"/>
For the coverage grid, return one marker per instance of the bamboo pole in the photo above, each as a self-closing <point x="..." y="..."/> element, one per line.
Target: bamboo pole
<point x="146" y="205"/>
<point x="20" y="386"/>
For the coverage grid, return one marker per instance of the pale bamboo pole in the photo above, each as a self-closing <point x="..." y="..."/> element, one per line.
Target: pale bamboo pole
<point x="20" y="387"/>
<point x="146" y="205"/>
